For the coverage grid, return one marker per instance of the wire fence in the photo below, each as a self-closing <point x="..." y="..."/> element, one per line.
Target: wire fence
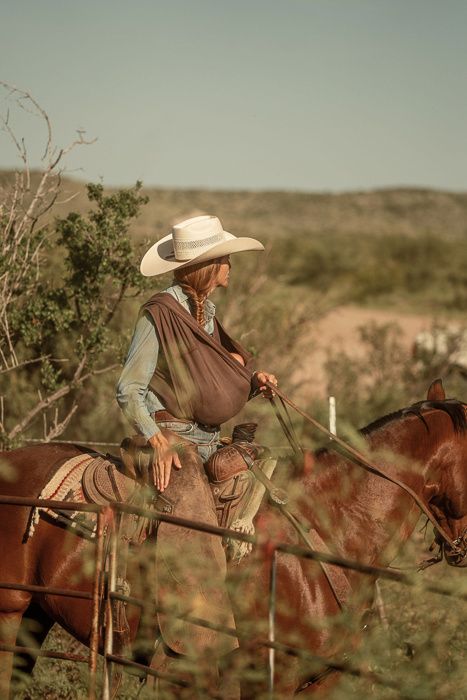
<point x="103" y="602"/>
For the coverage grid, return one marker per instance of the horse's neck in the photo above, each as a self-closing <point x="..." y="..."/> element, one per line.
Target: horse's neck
<point x="362" y="515"/>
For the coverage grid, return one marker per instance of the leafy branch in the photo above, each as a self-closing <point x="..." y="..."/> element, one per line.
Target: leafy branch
<point x="62" y="283"/>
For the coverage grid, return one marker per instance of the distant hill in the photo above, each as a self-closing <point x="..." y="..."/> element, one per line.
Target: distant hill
<point x="270" y="214"/>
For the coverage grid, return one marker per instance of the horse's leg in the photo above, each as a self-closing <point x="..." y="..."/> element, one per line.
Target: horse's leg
<point x="13" y="605"/>
<point x="33" y="630"/>
<point x="9" y="625"/>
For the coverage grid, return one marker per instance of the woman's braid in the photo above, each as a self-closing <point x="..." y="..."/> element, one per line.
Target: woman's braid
<point x="197" y="281"/>
<point x="196" y="302"/>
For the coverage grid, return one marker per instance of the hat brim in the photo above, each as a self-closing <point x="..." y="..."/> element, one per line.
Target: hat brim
<point x="160" y="257"/>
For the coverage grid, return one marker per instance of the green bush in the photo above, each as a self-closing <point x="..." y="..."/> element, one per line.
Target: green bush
<point x="426" y="272"/>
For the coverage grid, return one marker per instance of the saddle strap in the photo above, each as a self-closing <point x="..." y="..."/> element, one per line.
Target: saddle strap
<point x="335" y="576"/>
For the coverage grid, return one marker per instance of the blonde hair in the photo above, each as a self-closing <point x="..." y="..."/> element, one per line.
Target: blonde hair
<point x="197" y="281"/>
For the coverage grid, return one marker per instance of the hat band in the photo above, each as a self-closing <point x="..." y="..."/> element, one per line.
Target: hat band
<point x="183" y="249"/>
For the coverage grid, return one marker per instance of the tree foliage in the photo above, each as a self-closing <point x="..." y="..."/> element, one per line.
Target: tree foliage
<point x="60" y="320"/>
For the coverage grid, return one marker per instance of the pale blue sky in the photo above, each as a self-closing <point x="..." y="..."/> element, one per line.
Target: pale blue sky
<point x="263" y="94"/>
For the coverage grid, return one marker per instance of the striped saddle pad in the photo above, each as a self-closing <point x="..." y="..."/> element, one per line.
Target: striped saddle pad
<point x="87" y="478"/>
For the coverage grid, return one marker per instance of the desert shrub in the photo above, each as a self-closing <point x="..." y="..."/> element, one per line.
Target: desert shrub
<point x="426" y="271"/>
<point x="63" y="325"/>
<point x="386" y="376"/>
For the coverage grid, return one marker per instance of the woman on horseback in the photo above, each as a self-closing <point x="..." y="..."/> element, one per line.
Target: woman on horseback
<point x="184" y="376"/>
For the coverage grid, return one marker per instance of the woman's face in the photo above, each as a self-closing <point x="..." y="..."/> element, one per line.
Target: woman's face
<point x="224" y="272"/>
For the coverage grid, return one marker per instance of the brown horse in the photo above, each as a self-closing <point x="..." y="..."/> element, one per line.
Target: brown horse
<point x="362" y="517"/>
<point x="357" y="514"/>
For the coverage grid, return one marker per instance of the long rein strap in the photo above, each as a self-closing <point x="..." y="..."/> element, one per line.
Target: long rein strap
<point x="362" y="461"/>
<point x="337" y="578"/>
<point x="287" y="428"/>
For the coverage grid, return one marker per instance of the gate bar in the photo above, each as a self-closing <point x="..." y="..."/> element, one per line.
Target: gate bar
<point x="67" y="592"/>
<point x="49" y="503"/>
<point x="36" y="651"/>
<point x="148" y="670"/>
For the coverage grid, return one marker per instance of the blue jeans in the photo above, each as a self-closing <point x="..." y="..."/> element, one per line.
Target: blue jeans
<point x="206" y="442"/>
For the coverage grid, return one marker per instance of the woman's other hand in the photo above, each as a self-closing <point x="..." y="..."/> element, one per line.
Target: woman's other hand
<point x="259" y="382"/>
<point x="165" y="458"/>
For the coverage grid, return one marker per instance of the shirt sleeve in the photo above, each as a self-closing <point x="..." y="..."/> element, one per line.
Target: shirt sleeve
<point x="133" y="395"/>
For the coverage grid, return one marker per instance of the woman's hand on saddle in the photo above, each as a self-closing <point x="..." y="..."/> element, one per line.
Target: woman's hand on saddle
<point x="259" y="382"/>
<point x="165" y="457"/>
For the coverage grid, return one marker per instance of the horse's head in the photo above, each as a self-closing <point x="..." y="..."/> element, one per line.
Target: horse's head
<point x="447" y="493"/>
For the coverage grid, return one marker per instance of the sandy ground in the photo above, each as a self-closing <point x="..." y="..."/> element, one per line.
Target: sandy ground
<point x="340" y="330"/>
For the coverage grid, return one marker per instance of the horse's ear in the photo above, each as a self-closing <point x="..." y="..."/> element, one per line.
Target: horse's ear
<point x="436" y="391"/>
<point x="430" y="491"/>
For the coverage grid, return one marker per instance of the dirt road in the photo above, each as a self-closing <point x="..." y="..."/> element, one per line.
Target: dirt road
<point x="340" y="330"/>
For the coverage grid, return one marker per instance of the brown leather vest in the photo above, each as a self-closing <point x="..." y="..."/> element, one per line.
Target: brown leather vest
<point x="196" y="378"/>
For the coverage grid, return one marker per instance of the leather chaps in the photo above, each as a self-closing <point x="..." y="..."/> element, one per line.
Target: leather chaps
<point x="191" y="565"/>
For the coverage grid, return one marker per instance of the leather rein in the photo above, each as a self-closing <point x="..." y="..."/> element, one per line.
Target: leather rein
<point x="358" y="458"/>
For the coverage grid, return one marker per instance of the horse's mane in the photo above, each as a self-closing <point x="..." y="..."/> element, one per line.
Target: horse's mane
<point x="454" y="408"/>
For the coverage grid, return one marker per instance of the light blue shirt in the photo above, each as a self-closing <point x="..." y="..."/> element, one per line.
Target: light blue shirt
<point x="134" y="396"/>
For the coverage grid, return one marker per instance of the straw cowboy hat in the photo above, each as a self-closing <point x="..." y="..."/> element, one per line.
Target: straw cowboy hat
<point x="193" y="241"/>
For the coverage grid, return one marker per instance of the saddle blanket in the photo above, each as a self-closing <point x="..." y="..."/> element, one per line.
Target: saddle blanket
<point x="87" y="478"/>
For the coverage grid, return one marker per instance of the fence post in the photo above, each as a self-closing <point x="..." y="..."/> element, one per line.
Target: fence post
<point x="272" y="623"/>
<point x="332" y="415"/>
<point x="380" y="607"/>
<point x="96" y="595"/>
<point x="111" y="588"/>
